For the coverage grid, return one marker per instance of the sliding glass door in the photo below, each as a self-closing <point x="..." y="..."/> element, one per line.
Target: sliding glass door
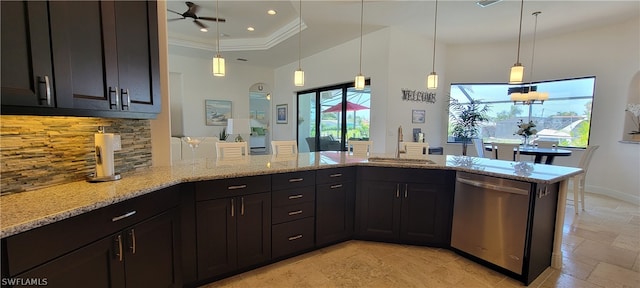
<point x="328" y="117"/>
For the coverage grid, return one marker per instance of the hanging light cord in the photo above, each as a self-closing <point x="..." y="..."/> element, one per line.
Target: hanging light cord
<point x="361" y="16"/>
<point x="520" y="31"/>
<point x="435" y="29"/>
<point x="300" y="37"/>
<point x="533" y="48"/>
<point x="217" y="30"/>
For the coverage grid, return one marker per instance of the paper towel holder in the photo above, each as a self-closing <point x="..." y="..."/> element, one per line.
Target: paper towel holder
<point x="99" y="156"/>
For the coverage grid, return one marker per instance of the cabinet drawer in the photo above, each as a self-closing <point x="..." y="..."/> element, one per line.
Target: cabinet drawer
<point x="293" y="180"/>
<point x="292" y="237"/>
<point x="34" y="247"/>
<point x="334" y="175"/>
<point x="293" y="196"/>
<point x="224" y="188"/>
<point x="292" y="212"/>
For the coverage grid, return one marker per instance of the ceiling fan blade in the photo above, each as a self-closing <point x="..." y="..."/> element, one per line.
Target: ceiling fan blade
<point x="212" y="19"/>
<point x="174" y="19"/>
<point x="200" y="24"/>
<point x="193" y="8"/>
<point x="174" y="12"/>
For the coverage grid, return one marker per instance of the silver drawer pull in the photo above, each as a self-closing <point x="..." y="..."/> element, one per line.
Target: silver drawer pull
<point x="296" y="180"/>
<point x="236" y="187"/>
<point x="118" y="218"/>
<point x="295" y="196"/>
<point x="295" y="212"/>
<point x="336" y="186"/>
<point x="336" y="175"/>
<point x="295" y="237"/>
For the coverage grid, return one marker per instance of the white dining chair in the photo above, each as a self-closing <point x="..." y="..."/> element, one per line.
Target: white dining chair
<point x="415" y="148"/>
<point x="359" y="147"/>
<point x="284" y="147"/>
<point x="506" y="151"/>
<point x="226" y="150"/>
<point x="479" y="145"/>
<point x="579" y="180"/>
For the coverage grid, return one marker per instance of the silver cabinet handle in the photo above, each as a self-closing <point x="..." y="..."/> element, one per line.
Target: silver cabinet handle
<point x="47" y="89"/>
<point x="295" y="237"/>
<point x="242" y="206"/>
<point x="124" y="92"/>
<point x="119" y="253"/>
<point x="406" y="188"/>
<point x="336" y="175"/>
<point x="232" y="207"/>
<point x="295" y="212"/>
<point x="296" y="180"/>
<point x="132" y="236"/>
<point x="236" y="187"/>
<point x="125" y="215"/>
<point x="335" y="186"/>
<point x="295" y="196"/>
<point x="113" y="97"/>
<point x="397" y="190"/>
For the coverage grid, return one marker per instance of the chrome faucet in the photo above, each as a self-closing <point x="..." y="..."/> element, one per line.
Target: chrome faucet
<point x="400" y="139"/>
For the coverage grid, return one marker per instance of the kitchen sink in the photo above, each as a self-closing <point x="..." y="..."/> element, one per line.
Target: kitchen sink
<point x="400" y="160"/>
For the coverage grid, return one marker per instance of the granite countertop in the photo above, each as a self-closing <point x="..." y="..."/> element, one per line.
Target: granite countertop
<point x="28" y="210"/>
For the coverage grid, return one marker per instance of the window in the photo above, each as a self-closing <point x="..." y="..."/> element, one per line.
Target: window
<point x="330" y="115"/>
<point x="565" y="116"/>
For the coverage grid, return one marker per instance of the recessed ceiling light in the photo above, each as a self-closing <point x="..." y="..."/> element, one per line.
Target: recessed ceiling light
<point x="203" y="29"/>
<point x="242" y="59"/>
<point x="485" y="3"/>
<point x="272" y="12"/>
<point x="251" y="29"/>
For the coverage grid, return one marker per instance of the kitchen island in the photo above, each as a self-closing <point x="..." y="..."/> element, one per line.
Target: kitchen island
<point x="23" y="212"/>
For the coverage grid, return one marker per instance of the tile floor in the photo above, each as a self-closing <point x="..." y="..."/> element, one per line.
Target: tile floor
<point x="601" y="249"/>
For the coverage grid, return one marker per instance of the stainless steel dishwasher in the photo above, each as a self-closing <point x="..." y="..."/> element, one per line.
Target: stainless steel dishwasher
<point x="490" y="219"/>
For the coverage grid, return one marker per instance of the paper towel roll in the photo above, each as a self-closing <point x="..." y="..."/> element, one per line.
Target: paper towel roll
<point x="104" y="154"/>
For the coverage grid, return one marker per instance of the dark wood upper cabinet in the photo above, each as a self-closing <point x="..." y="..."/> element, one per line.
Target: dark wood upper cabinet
<point x="27" y="75"/>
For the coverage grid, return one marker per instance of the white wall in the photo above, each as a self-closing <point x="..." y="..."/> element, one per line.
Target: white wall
<point x="611" y="54"/>
<point x="199" y="84"/>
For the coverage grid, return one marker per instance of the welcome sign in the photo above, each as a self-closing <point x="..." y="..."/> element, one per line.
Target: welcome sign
<point x="418" y="96"/>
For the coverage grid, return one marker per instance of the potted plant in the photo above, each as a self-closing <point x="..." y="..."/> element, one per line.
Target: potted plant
<point x="465" y="119"/>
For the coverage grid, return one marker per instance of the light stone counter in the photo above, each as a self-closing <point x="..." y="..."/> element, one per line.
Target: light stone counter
<point x="27" y="210"/>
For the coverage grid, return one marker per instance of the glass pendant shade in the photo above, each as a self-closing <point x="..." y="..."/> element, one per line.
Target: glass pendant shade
<point x="359" y="82"/>
<point x="298" y="77"/>
<point x="517" y="74"/>
<point x="218" y="66"/>
<point x="432" y="81"/>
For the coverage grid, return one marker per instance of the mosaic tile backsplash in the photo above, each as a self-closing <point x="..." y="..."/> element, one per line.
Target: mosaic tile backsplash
<point x="41" y="151"/>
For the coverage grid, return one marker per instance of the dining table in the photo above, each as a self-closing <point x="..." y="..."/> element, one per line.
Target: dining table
<point x="539" y="152"/>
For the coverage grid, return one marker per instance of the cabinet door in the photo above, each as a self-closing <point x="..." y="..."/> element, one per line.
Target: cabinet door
<point x="26" y="54"/>
<point x="138" y="59"/>
<point x="97" y="265"/>
<point x="254" y="229"/>
<point x="216" y="237"/>
<point x="152" y="252"/>
<point x="335" y="205"/>
<point x="84" y="54"/>
<point x="426" y="215"/>
<point x="379" y="217"/>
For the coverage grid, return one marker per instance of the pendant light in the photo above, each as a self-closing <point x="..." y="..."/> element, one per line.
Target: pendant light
<point x="517" y="71"/>
<point x="529" y="95"/>
<point x="218" y="62"/>
<point x="359" y="85"/>
<point x="432" y="79"/>
<point x="298" y="75"/>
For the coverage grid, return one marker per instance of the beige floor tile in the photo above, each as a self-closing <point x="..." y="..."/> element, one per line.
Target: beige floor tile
<point x="608" y="275"/>
<point x="577" y="266"/>
<point x="627" y="242"/>
<point x="560" y="280"/>
<point x="636" y="266"/>
<point x="610" y="254"/>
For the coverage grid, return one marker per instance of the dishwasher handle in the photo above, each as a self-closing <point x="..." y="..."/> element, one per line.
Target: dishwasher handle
<point x="499" y="188"/>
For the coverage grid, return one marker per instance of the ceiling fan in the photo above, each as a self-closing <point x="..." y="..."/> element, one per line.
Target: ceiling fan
<point x="191" y="13"/>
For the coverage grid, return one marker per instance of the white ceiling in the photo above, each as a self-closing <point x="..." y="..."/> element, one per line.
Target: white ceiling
<point x="330" y="22"/>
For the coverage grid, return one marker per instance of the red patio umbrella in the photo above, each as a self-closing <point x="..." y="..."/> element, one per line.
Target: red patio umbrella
<point x="350" y="107"/>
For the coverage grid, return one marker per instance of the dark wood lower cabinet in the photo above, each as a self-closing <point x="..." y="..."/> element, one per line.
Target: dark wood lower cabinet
<point x="335" y="205"/>
<point x="233" y="233"/>
<point x="143" y="255"/>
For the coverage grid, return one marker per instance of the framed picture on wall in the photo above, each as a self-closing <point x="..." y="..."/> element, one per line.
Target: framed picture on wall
<point x="217" y="112"/>
<point x="281" y="113"/>
<point x="417" y="116"/>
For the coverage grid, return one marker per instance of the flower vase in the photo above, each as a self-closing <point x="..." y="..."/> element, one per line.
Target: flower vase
<point x="525" y="141"/>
